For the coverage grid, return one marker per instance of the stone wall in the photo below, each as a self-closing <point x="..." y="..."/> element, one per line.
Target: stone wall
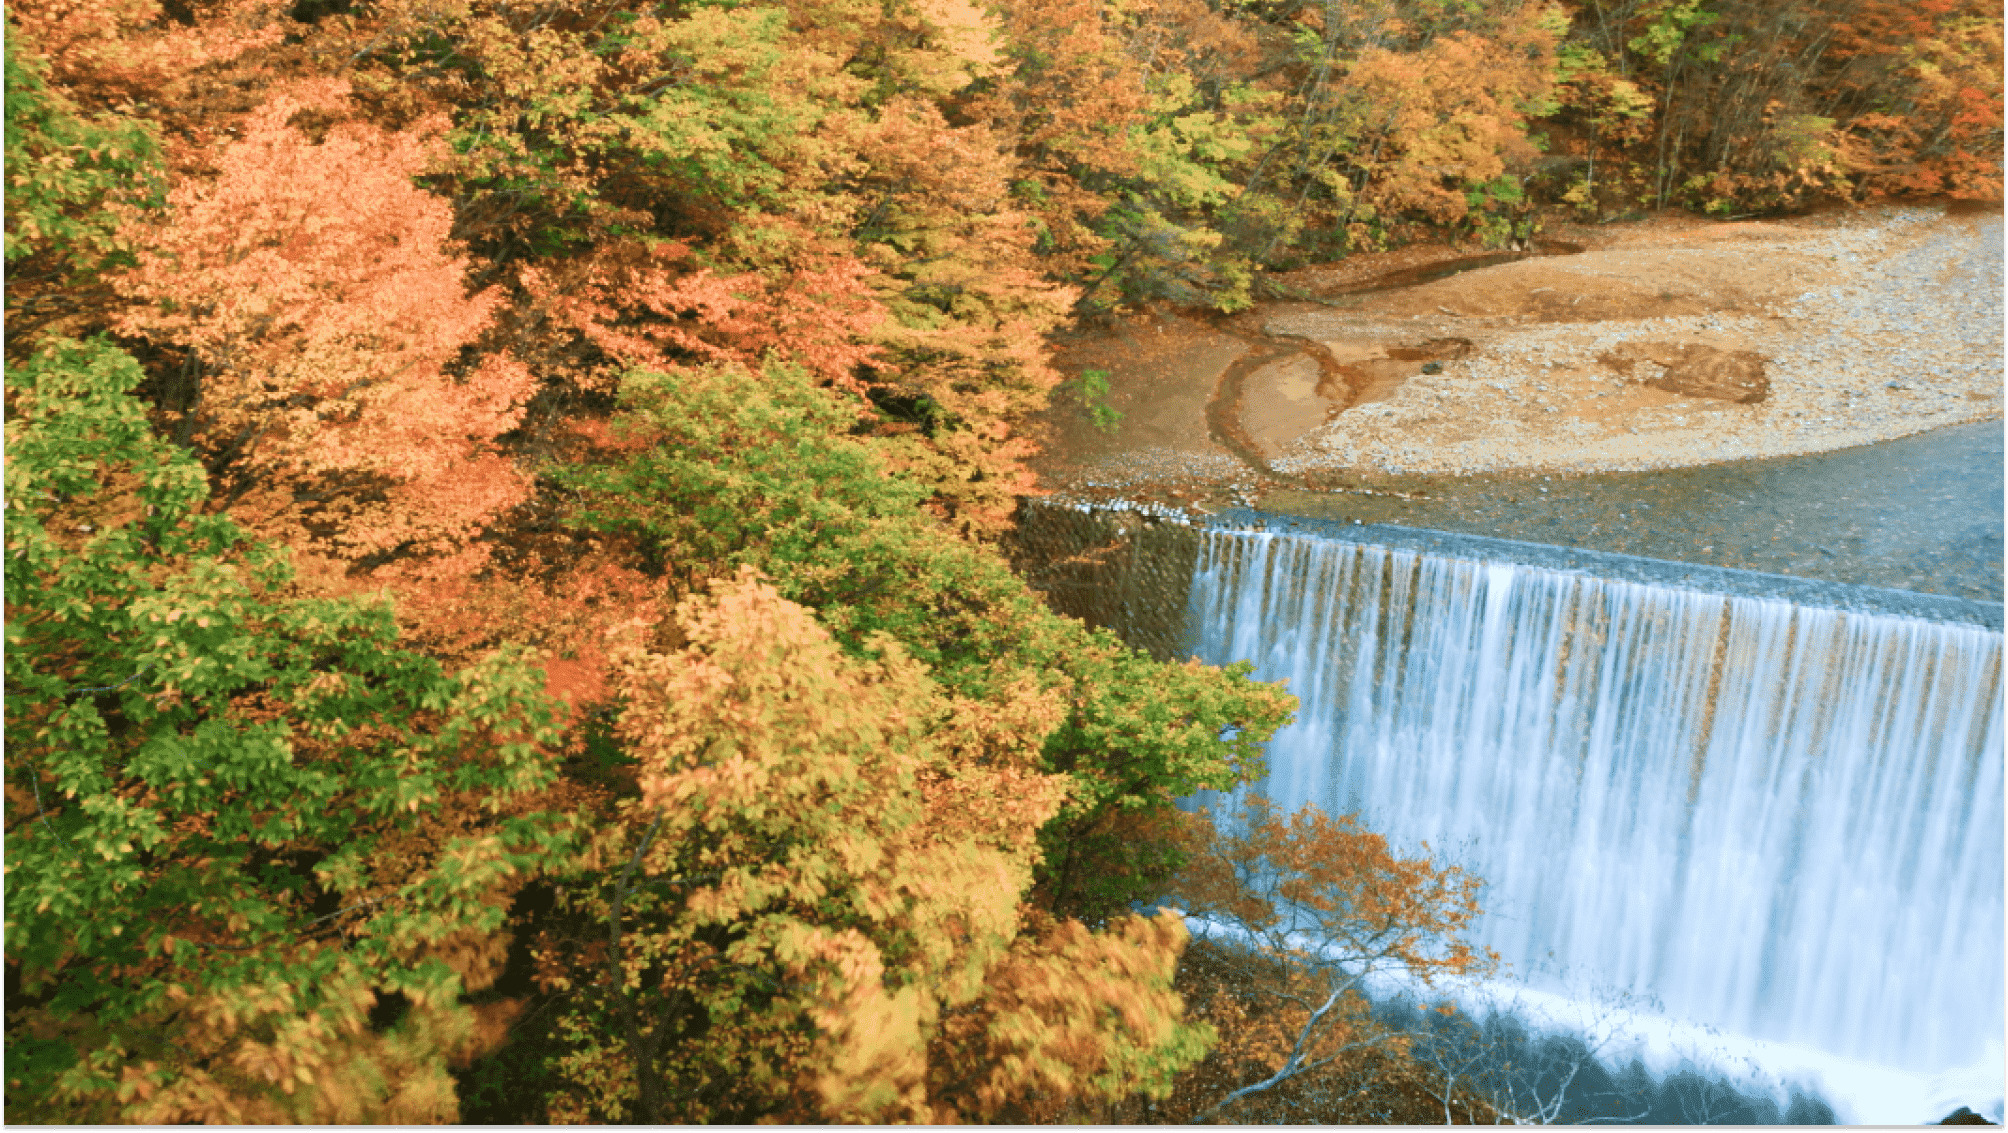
<point x="1129" y="571"/>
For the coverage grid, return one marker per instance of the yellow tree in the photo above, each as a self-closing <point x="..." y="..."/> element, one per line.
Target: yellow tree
<point x="811" y="909"/>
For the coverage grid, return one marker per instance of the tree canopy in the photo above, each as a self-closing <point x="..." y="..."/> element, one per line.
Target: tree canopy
<point x="505" y="615"/>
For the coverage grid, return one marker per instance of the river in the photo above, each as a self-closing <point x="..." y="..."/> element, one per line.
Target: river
<point x="1769" y="801"/>
<point x="1919" y="513"/>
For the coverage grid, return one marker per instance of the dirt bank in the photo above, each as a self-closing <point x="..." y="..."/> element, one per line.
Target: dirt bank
<point x="1849" y="328"/>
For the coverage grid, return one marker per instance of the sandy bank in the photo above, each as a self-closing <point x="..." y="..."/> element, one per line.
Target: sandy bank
<point x="1871" y="325"/>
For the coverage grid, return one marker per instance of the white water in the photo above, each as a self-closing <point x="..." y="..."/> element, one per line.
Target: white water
<point x="1782" y="823"/>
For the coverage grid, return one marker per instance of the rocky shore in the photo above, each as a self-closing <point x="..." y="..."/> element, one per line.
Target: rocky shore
<point x="1829" y="332"/>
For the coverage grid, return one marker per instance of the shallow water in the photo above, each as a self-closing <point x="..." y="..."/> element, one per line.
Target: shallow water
<point x="1920" y="513"/>
<point x="1444" y="269"/>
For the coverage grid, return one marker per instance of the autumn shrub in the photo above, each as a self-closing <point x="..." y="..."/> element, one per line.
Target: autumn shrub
<point x="1294" y="916"/>
<point x="240" y="822"/>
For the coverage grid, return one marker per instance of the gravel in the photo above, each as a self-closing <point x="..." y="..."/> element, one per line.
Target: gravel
<point x="1906" y="336"/>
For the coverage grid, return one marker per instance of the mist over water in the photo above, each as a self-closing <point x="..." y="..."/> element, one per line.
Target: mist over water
<point x="1781" y="823"/>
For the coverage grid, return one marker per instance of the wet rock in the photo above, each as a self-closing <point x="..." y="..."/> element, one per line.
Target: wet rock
<point x="1281" y="401"/>
<point x="1436" y="349"/>
<point x="1694" y="370"/>
<point x="1964" y="1116"/>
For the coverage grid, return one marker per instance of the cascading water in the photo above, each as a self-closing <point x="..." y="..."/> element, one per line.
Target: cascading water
<point x="1779" y="820"/>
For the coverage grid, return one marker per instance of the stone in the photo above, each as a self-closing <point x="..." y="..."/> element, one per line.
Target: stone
<point x="1964" y="1116"/>
<point x="1693" y="370"/>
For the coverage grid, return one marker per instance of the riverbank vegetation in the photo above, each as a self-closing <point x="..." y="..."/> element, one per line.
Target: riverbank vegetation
<point x="504" y="619"/>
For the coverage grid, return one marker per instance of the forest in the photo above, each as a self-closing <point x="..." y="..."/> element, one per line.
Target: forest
<point x="506" y="609"/>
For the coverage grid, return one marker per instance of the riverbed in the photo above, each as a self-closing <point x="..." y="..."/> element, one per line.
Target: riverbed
<point x="1488" y="402"/>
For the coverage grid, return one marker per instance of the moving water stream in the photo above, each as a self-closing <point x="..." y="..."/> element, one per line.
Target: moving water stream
<point x="1782" y="821"/>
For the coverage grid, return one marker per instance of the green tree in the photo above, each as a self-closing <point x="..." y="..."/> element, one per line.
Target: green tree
<point x="731" y="470"/>
<point x="65" y="169"/>
<point x="242" y="827"/>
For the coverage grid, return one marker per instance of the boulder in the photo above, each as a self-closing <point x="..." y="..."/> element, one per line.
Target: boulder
<point x="1964" y="1116"/>
<point x="1693" y="370"/>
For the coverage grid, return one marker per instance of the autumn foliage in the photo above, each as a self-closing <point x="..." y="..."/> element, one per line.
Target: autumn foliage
<point x="322" y="319"/>
<point x="504" y="614"/>
<point x="1734" y="107"/>
<point x="1300" y="911"/>
<point x="239" y="819"/>
<point x="812" y="907"/>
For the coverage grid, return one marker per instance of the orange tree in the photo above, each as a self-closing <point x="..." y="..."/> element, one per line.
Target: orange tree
<point x="1293" y="914"/>
<point x="322" y="322"/>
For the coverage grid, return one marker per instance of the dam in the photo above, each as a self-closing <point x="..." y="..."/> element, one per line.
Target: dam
<point x="1771" y="806"/>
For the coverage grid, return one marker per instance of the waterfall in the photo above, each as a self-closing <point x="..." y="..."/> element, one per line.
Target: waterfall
<point x="1778" y="820"/>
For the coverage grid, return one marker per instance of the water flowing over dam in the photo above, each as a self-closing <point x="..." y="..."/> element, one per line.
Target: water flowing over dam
<point x="1773" y="808"/>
